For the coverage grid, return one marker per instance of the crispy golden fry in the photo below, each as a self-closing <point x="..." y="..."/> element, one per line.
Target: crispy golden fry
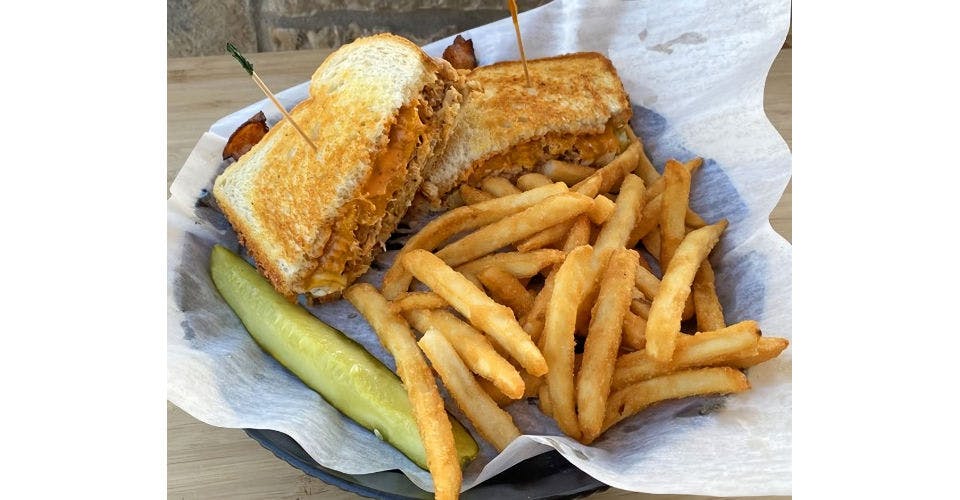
<point x="472" y="196"/>
<point x="603" y="341"/>
<point x="495" y="394"/>
<point x="663" y="325"/>
<point x="640" y="308"/>
<point x="507" y="290"/>
<point x="676" y="197"/>
<point x="705" y="300"/>
<point x="634" y="327"/>
<point x="397" y="279"/>
<point x="516" y="227"/>
<point x="656" y="189"/>
<point x="544" y="398"/>
<point x="494" y="424"/>
<point x="417" y="300"/>
<point x="601" y="210"/>
<point x="645" y="168"/>
<point x="578" y="235"/>
<point x="428" y="410"/>
<point x="767" y="349"/>
<point x="545" y="238"/>
<point x="602" y="181"/>
<point x="693" y="219"/>
<point x="630" y="400"/>
<point x="496" y="320"/>
<point x="567" y="172"/>
<point x="474" y="348"/>
<point x="532" y="180"/>
<point x="703" y="349"/>
<point x="534" y="320"/>
<point x="498" y="187"/>
<point x="652" y="243"/>
<point x="616" y="231"/>
<point x="557" y="338"/>
<point x="531" y="384"/>
<point x="649" y="219"/>
<point x="647" y="283"/>
<point x="611" y="174"/>
<point x="519" y="264"/>
<point x="613" y="235"/>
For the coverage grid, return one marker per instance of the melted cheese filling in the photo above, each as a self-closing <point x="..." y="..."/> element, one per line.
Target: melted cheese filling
<point x="361" y="217"/>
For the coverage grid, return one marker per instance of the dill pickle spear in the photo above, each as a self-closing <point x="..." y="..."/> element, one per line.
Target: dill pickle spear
<point x="341" y="370"/>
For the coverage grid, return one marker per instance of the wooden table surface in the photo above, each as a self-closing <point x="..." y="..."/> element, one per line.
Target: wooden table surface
<point x="211" y="462"/>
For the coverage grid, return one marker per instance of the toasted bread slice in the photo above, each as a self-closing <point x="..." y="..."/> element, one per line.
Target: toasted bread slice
<point x="576" y="102"/>
<point x="313" y="221"/>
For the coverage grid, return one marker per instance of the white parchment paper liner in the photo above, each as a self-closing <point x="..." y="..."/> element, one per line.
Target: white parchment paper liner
<point x="695" y="72"/>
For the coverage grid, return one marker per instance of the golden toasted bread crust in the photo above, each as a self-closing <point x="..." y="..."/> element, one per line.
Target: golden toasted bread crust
<point x="282" y="197"/>
<point x="572" y="95"/>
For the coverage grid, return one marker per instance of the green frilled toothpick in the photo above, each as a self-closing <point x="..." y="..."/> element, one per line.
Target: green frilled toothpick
<point x="256" y="79"/>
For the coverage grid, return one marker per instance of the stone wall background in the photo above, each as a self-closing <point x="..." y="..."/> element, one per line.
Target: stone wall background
<point x="202" y="27"/>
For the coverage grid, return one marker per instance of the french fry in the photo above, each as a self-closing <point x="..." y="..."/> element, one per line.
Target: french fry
<point x="578" y="235"/>
<point x="630" y="400"/>
<point x="676" y="197"/>
<point x="428" y="410"/>
<point x="693" y="219"/>
<point x="516" y="227"/>
<point x="417" y="300"/>
<point x="634" y="327"/>
<point x="703" y="349"/>
<point x="647" y="283"/>
<point x="495" y="394"/>
<point x="531" y="384"/>
<point x="496" y="320"/>
<point x="658" y="186"/>
<point x="557" y="337"/>
<point x="616" y="230"/>
<point x="705" y="300"/>
<point x="472" y="196"/>
<point x="611" y="174"/>
<point x="519" y="264"/>
<point x="601" y="181"/>
<point x="603" y="341"/>
<point x="397" y="279"/>
<point x="494" y="424"/>
<point x="567" y="172"/>
<point x="645" y="168"/>
<point x="601" y="210"/>
<point x="498" y="187"/>
<point x="652" y="243"/>
<point x="532" y="180"/>
<point x="663" y="325"/>
<point x="544" y="400"/>
<point x="545" y="238"/>
<point x="640" y="308"/>
<point x="648" y="222"/>
<point x="767" y="349"/>
<point x="507" y="290"/>
<point x="474" y="348"/>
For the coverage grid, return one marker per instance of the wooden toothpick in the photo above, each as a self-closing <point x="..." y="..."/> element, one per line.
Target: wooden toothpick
<point x="512" y="4"/>
<point x="256" y="79"/>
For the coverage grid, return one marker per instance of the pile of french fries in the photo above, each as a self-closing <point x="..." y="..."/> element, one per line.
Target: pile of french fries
<point x="511" y="280"/>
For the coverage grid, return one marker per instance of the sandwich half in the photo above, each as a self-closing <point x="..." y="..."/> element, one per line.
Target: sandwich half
<point x="379" y="111"/>
<point x="574" y="111"/>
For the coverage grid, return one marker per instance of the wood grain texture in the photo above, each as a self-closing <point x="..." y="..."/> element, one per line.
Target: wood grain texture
<point x="211" y="462"/>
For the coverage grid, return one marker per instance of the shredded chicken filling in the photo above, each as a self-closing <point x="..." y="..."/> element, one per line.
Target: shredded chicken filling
<point x="583" y="149"/>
